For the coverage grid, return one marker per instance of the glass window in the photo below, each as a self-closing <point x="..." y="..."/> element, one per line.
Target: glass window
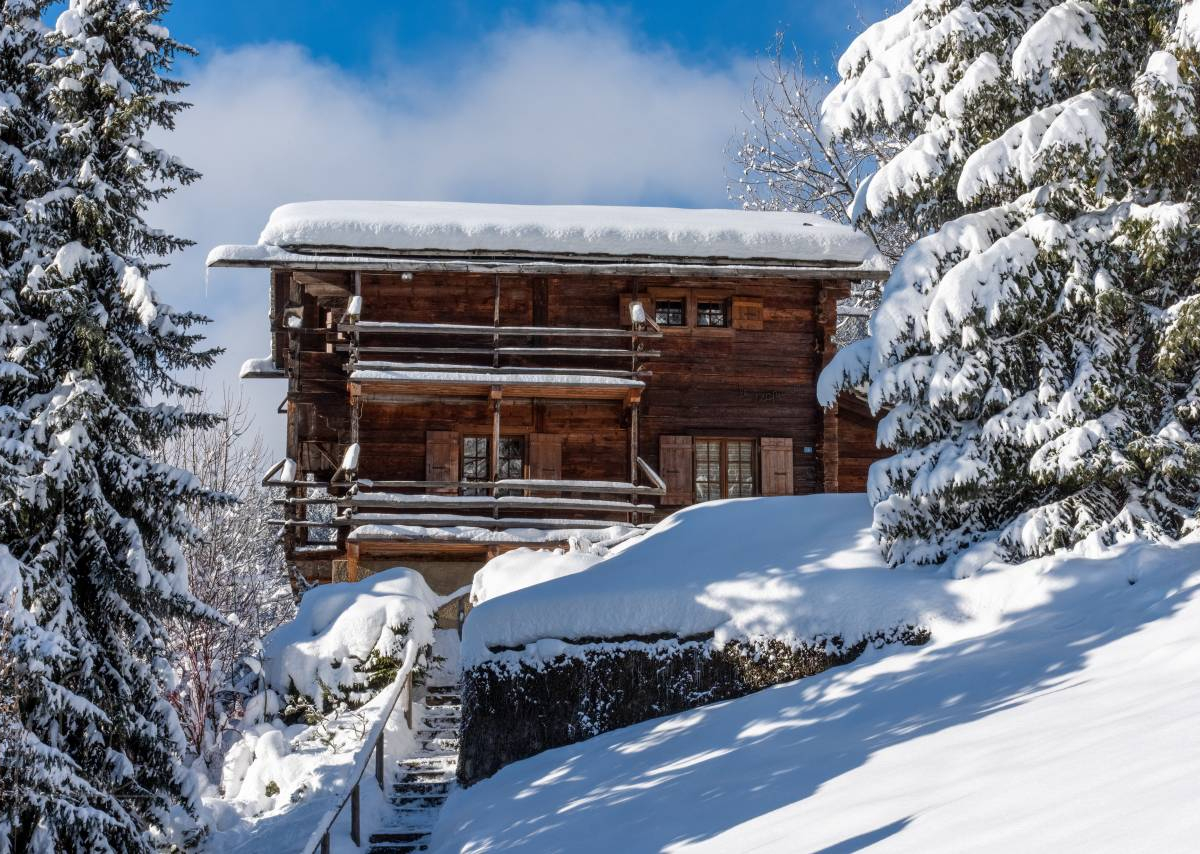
<point x="711" y="313"/>
<point x="739" y="469"/>
<point x="476" y="459"/>
<point x="708" y="469"/>
<point x="724" y="468"/>
<point x="669" y="312"/>
<point x="512" y="458"/>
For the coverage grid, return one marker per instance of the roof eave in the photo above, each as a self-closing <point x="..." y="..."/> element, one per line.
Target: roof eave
<point x="378" y="261"/>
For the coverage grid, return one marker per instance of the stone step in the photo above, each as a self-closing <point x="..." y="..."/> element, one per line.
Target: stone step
<point x="439" y="712"/>
<point x="421" y="760"/>
<point x="410" y="817"/>
<point x="415" y="802"/>
<point x="442" y="766"/>
<point x="392" y="836"/>
<point x="440" y="787"/>
<point x="440" y="700"/>
<point x="434" y="734"/>
<point x="440" y="723"/>
<point x="402" y="848"/>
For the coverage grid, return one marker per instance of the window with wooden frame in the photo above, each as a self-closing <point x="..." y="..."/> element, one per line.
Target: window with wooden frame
<point x="670" y="312"/>
<point x="712" y="313"/>
<point x="477" y="460"/>
<point x="723" y="468"/>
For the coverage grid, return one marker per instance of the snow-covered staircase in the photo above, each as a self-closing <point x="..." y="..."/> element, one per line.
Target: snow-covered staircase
<point x="426" y="777"/>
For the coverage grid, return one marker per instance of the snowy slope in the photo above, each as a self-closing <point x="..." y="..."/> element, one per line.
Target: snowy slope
<point x="565" y="229"/>
<point x="1061" y="716"/>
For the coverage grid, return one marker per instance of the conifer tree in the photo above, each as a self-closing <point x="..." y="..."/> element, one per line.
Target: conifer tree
<point x="1036" y="352"/>
<point x="93" y="524"/>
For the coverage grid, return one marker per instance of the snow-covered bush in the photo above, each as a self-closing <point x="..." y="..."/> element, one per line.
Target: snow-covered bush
<point x="1035" y="353"/>
<point x="347" y="641"/>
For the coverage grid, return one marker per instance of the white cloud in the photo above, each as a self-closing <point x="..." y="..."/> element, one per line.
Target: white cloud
<point x="571" y="110"/>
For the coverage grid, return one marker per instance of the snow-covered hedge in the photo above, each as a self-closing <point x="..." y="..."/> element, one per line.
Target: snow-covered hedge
<point x="797" y="570"/>
<point x="718" y="600"/>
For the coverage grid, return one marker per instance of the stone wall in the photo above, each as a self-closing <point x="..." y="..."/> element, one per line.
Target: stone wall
<point x="514" y="706"/>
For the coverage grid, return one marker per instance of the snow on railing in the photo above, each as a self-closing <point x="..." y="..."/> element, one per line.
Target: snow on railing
<point x="401" y="687"/>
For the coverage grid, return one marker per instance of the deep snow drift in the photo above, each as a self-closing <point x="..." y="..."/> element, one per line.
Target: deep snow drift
<point x="1054" y="710"/>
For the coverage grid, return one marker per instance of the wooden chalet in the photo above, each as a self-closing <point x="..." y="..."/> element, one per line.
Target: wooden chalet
<point x="467" y="379"/>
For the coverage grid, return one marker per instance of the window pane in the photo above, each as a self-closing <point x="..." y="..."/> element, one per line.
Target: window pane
<point x="669" y="312"/>
<point x="475" y="461"/>
<point x="710" y="314"/>
<point x="739" y="469"/>
<point x="708" y="470"/>
<point x="512" y="459"/>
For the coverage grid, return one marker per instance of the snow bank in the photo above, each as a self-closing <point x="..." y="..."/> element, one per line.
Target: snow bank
<point x="788" y="569"/>
<point x="278" y="781"/>
<point x="1060" y="716"/>
<point x="521" y="568"/>
<point x="565" y="230"/>
<point x="338" y="626"/>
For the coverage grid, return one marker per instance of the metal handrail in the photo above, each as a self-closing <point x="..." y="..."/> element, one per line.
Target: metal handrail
<point x="401" y="687"/>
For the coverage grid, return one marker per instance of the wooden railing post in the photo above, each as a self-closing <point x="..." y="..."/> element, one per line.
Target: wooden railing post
<point x="408" y="685"/>
<point x="379" y="760"/>
<point x="325" y="843"/>
<point x="355" y="815"/>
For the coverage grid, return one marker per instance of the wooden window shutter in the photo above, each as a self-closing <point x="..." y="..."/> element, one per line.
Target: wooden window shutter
<point x="747" y="313"/>
<point x="776" y="466"/>
<point x="626" y="301"/>
<point x="545" y="456"/>
<point x="675" y="466"/>
<point x="441" y="458"/>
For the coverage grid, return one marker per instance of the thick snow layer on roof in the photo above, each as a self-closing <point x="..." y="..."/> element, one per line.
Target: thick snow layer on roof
<point x="793" y="569"/>
<point x="1060" y="716"/>
<point x="413" y="227"/>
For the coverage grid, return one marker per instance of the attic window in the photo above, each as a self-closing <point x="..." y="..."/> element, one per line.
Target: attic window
<point x="669" y="312"/>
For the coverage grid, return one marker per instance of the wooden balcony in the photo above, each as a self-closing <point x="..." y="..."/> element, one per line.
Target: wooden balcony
<point x="413" y="360"/>
<point x="437" y="511"/>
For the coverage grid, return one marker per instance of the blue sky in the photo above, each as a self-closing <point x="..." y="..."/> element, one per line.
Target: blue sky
<point x="355" y="35"/>
<point x="536" y="102"/>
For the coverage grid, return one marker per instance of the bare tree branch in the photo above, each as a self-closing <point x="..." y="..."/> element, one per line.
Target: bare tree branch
<point x="789" y="163"/>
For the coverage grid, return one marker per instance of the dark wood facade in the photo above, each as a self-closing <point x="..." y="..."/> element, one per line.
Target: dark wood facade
<point x="401" y="381"/>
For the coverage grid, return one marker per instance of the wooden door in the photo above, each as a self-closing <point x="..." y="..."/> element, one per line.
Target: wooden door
<point x="675" y="466"/>
<point x="776" y="466"/>
<point x="441" y="458"/>
<point x="545" y="456"/>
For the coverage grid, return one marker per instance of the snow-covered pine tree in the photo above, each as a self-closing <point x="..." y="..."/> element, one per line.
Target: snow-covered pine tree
<point x="36" y="777"/>
<point x="1036" y="352"/>
<point x="93" y="523"/>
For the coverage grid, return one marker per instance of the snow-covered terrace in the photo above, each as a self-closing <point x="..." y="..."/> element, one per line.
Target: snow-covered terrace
<point x="414" y="236"/>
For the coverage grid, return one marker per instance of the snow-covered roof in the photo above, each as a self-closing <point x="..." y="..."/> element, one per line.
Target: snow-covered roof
<point x="552" y="231"/>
